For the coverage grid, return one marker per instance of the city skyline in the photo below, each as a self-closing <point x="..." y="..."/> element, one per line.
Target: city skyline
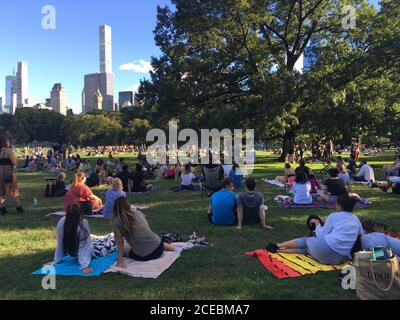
<point x="66" y="54"/>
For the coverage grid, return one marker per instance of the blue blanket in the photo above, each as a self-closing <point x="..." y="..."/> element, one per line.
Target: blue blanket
<point x="69" y="266"/>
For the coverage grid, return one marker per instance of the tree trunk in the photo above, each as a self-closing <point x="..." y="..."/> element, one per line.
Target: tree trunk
<point x="288" y="144"/>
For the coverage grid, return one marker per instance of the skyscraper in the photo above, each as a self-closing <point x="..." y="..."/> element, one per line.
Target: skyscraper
<point x="126" y="99"/>
<point x="10" y="90"/>
<point x="1" y="105"/>
<point x="105" y="49"/>
<point x="58" y="101"/>
<point x="21" y="85"/>
<point x="102" y="82"/>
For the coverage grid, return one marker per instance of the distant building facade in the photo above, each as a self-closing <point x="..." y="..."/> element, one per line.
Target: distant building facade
<point x="126" y="99"/>
<point x="58" y="99"/>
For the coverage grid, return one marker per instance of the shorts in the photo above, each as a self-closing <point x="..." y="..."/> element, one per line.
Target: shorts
<point x="157" y="253"/>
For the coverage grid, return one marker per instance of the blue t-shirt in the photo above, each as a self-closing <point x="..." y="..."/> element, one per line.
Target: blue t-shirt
<point x="224" y="204"/>
<point x="237" y="178"/>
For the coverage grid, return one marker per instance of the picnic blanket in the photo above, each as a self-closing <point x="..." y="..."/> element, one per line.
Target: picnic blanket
<point x="69" y="267"/>
<point x="363" y="203"/>
<point x="96" y="214"/>
<point x="148" y="269"/>
<point x="275" y="183"/>
<point x="284" y="265"/>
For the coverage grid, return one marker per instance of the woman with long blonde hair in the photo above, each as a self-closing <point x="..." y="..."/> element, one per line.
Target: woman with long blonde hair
<point x="141" y="244"/>
<point x="79" y="192"/>
<point x="116" y="191"/>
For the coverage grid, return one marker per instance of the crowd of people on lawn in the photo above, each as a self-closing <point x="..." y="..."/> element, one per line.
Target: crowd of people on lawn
<point x="332" y="241"/>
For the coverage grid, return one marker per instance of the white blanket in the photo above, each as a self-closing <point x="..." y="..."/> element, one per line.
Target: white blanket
<point x="149" y="269"/>
<point x="275" y="183"/>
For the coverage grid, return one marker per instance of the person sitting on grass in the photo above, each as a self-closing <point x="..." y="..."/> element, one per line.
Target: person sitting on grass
<point x="302" y="189"/>
<point x="138" y="183"/>
<point x="393" y="179"/>
<point x="134" y="237"/>
<point x="365" y="174"/>
<point x="302" y="167"/>
<point x="236" y="175"/>
<point x="187" y="178"/>
<point x="94" y="179"/>
<point x="343" y="173"/>
<point x="315" y="185"/>
<point x="333" y="187"/>
<point x="251" y="208"/>
<point x="115" y="192"/>
<point x="56" y="188"/>
<point x="79" y="192"/>
<point x="126" y="178"/>
<point x="334" y="241"/>
<point x="223" y="205"/>
<point x="352" y="165"/>
<point x="289" y="174"/>
<point x="170" y="173"/>
<point x="74" y="239"/>
<point x="378" y="239"/>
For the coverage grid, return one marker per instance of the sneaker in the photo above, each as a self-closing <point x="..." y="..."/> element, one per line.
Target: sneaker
<point x="272" y="248"/>
<point x="20" y="209"/>
<point x="3" y="211"/>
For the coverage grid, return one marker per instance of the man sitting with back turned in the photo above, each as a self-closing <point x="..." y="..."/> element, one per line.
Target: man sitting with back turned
<point x="251" y="208"/>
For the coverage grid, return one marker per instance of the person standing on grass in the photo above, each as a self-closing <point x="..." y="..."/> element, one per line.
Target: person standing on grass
<point x="251" y="208"/>
<point x="134" y="237"/>
<point x="8" y="178"/>
<point x="223" y="205"/>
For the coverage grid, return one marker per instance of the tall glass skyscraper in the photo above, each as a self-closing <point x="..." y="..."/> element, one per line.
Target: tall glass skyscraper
<point x="104" y="81"/>
<point x="21" y="85"/>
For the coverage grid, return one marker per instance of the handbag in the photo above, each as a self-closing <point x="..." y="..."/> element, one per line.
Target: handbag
<point x="377" y="280"/>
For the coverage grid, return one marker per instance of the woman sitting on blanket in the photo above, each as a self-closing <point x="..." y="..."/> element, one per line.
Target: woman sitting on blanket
<point x="79" y="192"/>
<point x="302" y="189"/>
<point x="335" y="187"/>
<point x="289" y="175"/>
<point x="334" y="241"/>
<point x="141" y="244"/>
<point x="74" y="239"/>
<point x="112" y="194"/>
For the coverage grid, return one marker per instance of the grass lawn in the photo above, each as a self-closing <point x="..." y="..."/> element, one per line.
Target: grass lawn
<point x="221" y="272"/>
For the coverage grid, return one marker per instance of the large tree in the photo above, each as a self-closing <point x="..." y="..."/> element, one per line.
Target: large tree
<point x="232" y="63"/>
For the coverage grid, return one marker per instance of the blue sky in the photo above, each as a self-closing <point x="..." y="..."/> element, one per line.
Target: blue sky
<point x="70" y="51"/>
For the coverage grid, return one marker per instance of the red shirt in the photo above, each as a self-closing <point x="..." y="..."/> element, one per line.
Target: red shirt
<point x="76" y="194"/>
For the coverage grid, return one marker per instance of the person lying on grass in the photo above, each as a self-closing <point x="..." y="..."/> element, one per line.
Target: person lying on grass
<point x="223" y="205"/>
<point x="334" y="241"/>
<point x="134" y="237"/>
<point x="392" y="177"/>
<point x="74" y="239"/>
<point x="251" y="208"/>
<point x="377" y="239"/>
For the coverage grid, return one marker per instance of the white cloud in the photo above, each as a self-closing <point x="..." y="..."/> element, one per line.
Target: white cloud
<point x="134" y="88"/>
<point x="141" y="66"/>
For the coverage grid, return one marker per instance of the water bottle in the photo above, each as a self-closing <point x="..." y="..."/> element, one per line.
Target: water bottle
<point x="35" y="201"/>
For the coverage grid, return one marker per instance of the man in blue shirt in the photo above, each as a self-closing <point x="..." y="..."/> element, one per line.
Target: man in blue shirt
<point x="223" y="204"/>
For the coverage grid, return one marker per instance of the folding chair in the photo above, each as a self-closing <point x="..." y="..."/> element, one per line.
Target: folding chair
<point x="211" y="180"/>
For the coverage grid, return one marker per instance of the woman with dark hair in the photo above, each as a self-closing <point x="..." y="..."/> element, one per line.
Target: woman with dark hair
<point x="334" y="241"/>
<point x="141" y="244"/>
<point x="138" y="183"/>
<point x="74" y="239"/>
<point x="8" y="178"/>
<point x="302" y="189"/>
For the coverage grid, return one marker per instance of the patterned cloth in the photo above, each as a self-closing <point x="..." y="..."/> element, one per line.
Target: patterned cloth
<point x="103" y="246"/>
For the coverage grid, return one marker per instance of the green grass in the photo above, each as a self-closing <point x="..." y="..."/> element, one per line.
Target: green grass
<point x="221" y="272"/>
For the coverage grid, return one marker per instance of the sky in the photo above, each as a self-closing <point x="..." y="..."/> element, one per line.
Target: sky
<point x="71" y="50"/>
